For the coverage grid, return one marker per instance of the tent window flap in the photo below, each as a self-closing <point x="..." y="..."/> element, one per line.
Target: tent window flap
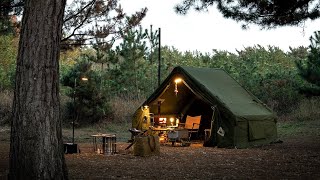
<point x="256" y="130"/>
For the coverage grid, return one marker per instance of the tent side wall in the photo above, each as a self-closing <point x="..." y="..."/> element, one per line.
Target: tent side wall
<point x="228" y="139"/>
<point x="226" y="121"/>
<point x="250" y="133"/>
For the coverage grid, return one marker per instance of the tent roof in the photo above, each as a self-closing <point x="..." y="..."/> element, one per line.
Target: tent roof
<point x="215" y="86"/>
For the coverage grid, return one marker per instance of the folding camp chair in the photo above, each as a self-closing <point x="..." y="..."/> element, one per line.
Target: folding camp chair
<point x="192" y="124"/>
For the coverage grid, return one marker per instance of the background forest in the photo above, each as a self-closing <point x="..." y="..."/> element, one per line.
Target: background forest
<point x="120" y="78"/>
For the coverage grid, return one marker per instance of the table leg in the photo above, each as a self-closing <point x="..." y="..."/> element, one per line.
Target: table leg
<point x="94" y="144"/>
<point x="103" y="145"/>
<point x="115" y="145"/>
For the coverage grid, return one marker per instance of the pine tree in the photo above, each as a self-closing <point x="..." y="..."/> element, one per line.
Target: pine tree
<point x="90" y="101"/>
<point x="131" y="54"/>
<point x="310" y="68"/>
<point x="36" y="133"/>
<point x="265" y="13"/>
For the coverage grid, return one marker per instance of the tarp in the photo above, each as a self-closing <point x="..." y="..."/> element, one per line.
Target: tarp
<point x="222" y="102"/>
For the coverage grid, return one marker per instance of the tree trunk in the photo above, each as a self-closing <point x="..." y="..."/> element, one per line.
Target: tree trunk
<point x="36" y="149"/>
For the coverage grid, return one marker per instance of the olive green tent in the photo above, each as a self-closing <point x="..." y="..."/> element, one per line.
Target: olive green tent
<point x="232" y="115"/>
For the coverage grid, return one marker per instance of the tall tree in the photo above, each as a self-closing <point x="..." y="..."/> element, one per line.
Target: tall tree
<point x="36" y="149"/>
<point x="98" y="21"/>
<point x="309" y="69"/>
<point x="153" y="38"/>
<point x="265" y="13"/>
<point x="132" y="58"/>
<point x="84" y="20"/>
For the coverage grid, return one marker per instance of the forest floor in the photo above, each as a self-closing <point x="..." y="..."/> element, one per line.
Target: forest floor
<point x="298" y="157"/>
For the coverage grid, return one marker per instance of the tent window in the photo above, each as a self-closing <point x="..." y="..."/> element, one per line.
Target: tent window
<point x="256" y="130"/>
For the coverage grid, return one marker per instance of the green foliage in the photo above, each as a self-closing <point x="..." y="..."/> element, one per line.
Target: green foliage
<point x="89" y="99"/>
<point x="270" y="75"/>
<point x="309" y="68"/>
<point x="268" y="14"/>
<point x="8" y="53"/>
<point x="96" y="20"/>
<point x="132" y="72"/>
<point x="99" y="21"/>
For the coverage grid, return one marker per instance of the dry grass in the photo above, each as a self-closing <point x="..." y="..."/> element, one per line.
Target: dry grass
<point x="124" y="107"/>
<point x="308" y="109"/>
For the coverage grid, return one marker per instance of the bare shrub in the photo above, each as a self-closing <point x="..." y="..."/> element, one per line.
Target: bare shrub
<point x="123" y="107"/>
<point x="6" y="98"/>
<point x="308" y="109"/>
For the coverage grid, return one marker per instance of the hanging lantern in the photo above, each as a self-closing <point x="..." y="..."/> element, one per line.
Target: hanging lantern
<point x="178" y="80"/>
<point x="176" y="89"/>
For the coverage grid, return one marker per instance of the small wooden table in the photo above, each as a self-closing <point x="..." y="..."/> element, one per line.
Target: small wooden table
<point x="108" y="145"/>
<point x="162" y="129"/>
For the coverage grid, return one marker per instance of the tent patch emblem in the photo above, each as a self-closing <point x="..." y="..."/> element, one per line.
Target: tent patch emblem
<point x="221" y="131"/>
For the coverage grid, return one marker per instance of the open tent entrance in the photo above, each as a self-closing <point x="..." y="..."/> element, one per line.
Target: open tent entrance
<point x="175" y="103"/>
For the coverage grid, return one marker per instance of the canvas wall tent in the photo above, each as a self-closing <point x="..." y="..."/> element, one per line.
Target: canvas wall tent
<point x="236" y="117"/>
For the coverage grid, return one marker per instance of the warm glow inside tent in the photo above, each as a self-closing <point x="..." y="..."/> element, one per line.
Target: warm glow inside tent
<point x="233" y="115"/>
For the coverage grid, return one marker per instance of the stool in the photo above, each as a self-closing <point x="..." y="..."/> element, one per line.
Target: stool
<point x="108" y="146"/>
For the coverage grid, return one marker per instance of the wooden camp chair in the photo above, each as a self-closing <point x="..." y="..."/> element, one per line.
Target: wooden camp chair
<point x="192" y="124"/>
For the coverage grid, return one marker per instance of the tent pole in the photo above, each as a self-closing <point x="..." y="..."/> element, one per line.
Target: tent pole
<point x="159" y="109"/>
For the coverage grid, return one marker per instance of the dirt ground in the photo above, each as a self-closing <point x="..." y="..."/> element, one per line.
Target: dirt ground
<point x="295" y="158"/>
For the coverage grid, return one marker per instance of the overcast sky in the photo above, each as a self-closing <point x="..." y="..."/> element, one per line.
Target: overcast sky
<point x="209" y="30"/>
